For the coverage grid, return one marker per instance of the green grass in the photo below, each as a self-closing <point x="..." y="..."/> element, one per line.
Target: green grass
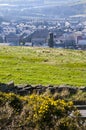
<point x="42" y="66"/>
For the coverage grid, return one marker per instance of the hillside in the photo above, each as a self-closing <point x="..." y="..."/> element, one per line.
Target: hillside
<point x="42" y="8"/>
<point x="42" y="66"/>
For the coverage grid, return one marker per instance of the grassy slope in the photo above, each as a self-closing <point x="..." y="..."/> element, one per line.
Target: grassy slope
<point x="42" y="66"/>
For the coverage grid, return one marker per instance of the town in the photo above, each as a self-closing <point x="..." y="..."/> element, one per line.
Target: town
<point x="57" y="33"/>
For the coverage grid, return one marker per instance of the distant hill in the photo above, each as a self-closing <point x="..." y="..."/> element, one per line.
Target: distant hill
<point x="59" y="8"/>
<point x="70" y="9"/>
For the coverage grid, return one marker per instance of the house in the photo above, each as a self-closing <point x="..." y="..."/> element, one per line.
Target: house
<point x="28" y="44"/>
<point x="5" y="44"/>
<point x="38" y="41"/>
<point x="12" y="38"/>
<point x="81" y="42"/>
<point x="1" y="39"/>
<point x="7" y="30"/>
<point x="39" y="37"/>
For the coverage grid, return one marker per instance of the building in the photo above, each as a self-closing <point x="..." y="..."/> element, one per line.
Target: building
<point x="81" y="42"/>
<point x="12" y="38"/>
<point x="7" y="30"/>
<point x="39" y="37"/>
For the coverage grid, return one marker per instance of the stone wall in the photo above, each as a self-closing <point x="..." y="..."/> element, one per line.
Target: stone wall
<point x="39" y="89"/>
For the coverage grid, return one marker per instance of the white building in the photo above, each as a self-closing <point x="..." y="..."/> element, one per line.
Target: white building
<point x="7" y="30"/>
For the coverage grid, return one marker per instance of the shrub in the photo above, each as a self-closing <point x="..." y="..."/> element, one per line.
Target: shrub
<point x="38" y="112"/>
<point x="15" y="102"/>
<point x="47" y="112"/>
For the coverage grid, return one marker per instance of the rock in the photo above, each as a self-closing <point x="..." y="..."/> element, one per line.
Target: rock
<point x="10" y="85"/>
<point x="22" y="92"/>
<point x="3" y="87"/>
<point x="79" y="102"/>
<point x="24" y="89"/>
<point x="83" y="89"/>
<point x="26" y="86"/>
<point x="60" y="89"/>
<point x="50" y="86"/>
<point x="72" y="90"/>
<point x="39" y="89"/>
<point x="28" y="89"/>
<point x="56" y="89"/>
<point x="51" y="89"/>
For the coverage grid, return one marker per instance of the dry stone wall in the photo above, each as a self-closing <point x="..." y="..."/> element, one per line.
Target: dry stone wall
<point x="39" y="89"/>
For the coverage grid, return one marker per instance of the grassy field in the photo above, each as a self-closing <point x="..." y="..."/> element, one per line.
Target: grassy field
<point x="42" y="66"/>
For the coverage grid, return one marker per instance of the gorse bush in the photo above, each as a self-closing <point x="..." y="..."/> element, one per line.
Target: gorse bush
<point x="37" y="113"/>
<point x="15" y="103"/>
